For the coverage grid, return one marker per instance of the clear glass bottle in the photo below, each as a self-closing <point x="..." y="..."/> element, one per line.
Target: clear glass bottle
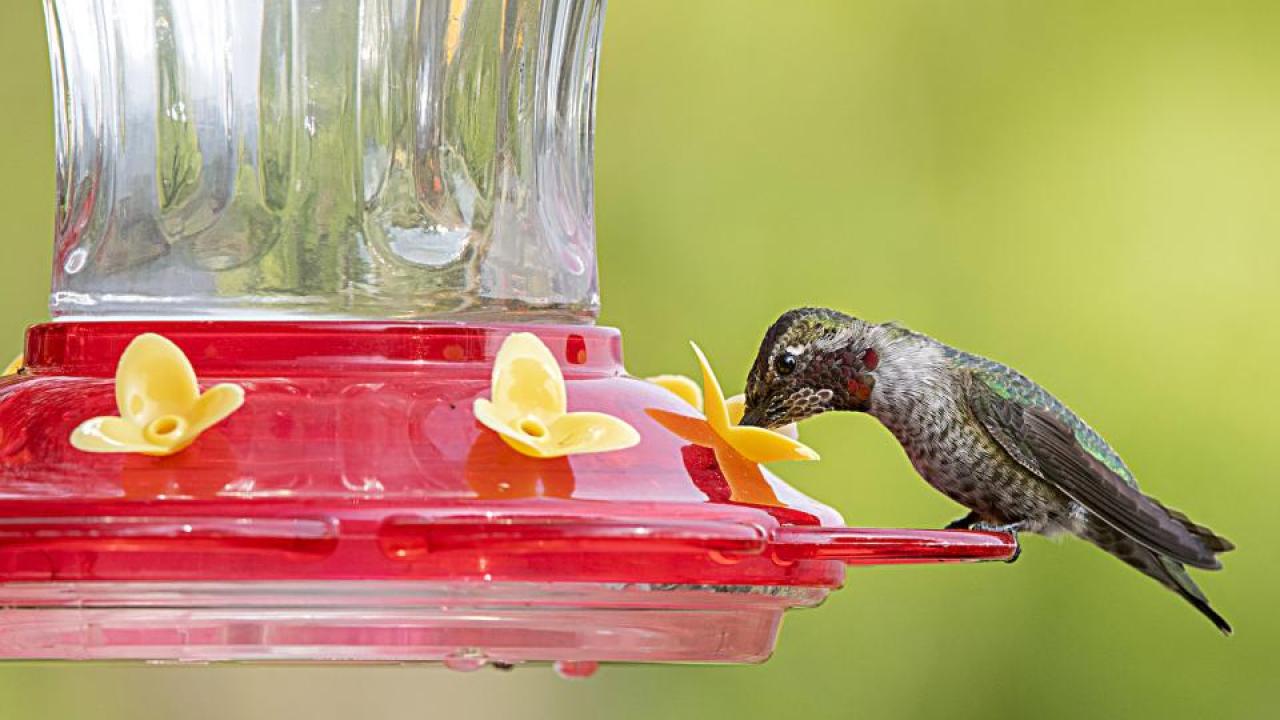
<point x="306" y="159"/>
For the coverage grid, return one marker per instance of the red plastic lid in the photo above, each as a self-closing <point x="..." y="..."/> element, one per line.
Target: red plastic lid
<point x="354" y="509"/>
<point x="356" y="456"/>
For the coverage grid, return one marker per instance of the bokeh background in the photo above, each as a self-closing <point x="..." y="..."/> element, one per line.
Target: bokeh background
<point x="1085" y="190"/>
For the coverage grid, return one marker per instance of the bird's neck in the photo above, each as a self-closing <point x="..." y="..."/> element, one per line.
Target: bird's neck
<point x="913" y="381"/>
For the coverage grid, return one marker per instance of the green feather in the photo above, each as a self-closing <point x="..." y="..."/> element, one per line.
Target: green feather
<point x="1014" y="386"/>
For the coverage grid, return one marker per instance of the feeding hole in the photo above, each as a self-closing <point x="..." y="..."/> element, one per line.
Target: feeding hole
<point x="533" y="427"/>
<point x="165" y="429"/>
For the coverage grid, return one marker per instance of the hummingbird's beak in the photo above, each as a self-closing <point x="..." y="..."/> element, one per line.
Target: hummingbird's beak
<point x="754" y="417"/>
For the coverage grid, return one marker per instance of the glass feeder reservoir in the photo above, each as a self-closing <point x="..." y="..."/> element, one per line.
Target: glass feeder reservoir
<point x="322" y="381"/>
<point x="323" y="158"/>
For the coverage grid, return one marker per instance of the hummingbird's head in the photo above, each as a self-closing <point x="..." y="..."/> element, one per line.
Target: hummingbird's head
<point x="811" y="360"/>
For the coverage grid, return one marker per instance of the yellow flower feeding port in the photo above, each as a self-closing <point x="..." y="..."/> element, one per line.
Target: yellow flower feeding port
<point x="162" y="410"/>
<point x="528" y="406"/>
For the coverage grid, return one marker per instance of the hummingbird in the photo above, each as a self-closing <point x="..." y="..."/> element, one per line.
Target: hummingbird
<point x="982" y="434"/>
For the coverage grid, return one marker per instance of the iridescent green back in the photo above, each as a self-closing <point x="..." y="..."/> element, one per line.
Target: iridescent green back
<point x="1012" y="385"/>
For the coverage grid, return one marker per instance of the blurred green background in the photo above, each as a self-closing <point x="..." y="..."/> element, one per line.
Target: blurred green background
<point x="1085" y="190"/>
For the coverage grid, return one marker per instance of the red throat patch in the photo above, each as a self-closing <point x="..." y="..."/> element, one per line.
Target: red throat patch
<point x="859" y="391"/>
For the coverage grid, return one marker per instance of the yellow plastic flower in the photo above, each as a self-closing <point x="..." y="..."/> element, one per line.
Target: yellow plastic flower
<point x="162" y="410"/>
<point x="680" y="386"/>
<point x="686" y="389"/>
<point x="13" y="367"/>
<point x="529" y="411"/>
<point x="739" y="450"/>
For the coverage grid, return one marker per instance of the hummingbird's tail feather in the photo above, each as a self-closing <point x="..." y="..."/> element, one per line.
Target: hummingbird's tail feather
<point x="1177" y="579"/>
<point x="1215" y="542"/>
<point x="1168" y="572"/>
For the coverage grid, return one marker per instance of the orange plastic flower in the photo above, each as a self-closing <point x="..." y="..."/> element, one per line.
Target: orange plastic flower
<point x="529" y="409"/>
<point x="686" y="389"/>
<point x="739" y="450"/>
<point x="162" y="410"/>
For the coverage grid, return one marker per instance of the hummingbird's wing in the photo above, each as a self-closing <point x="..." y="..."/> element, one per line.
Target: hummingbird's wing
<point x="1044" y="445"/>
<point x="1124" y="507"/>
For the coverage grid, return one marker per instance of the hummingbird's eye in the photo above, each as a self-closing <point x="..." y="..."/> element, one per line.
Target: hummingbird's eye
<point x="785" y="364"/>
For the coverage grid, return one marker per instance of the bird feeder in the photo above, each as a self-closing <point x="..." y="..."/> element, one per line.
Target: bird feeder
<point x="292" y="242"/>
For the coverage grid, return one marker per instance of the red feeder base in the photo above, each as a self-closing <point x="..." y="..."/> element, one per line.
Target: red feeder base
<point x="354" y="510"/>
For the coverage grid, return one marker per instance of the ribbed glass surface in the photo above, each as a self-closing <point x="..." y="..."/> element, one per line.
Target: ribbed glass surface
<point x="325" y="158"/>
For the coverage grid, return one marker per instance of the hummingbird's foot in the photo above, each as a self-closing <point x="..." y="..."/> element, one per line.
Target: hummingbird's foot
<point x="965" y="523"/>
<point x="974" y="521"/>
<point x="1010" y="528"/>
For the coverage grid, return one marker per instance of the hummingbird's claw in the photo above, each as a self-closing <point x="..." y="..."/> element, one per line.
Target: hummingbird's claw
<point x="1007" y="528"/>
<point x="1010" y="528"/>
<point x="973" y="521"/>
<point x="1017" y="550"/>
<point x="965" y="523"/>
